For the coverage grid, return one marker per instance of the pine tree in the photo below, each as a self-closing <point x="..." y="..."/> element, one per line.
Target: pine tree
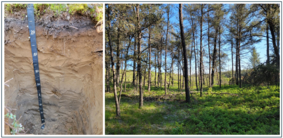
<point x="187" y="89"/>
<point x="254" y="58"/>
<point x="244" y="29"/>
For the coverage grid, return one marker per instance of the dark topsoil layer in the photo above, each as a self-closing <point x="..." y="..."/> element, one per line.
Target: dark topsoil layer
<point x="52" y="24"/>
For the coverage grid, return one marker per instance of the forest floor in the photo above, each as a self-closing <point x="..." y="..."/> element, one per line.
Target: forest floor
<point x="229" y="110"/>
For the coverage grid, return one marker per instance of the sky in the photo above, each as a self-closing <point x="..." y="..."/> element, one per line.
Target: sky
<point x="226" y="48"/>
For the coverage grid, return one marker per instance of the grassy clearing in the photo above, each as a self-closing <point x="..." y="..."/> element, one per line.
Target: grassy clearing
<point x="129" y="78"/>
<point x="252" y="110"/>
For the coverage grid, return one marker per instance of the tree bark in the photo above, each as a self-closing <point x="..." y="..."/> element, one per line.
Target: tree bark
<point x="237" y="63"/>
<point x="196" y="71"/>
<point x="172" y="68"/>
<point x="219" y="45"/>
<point x="232" y="57"/>
<point x="144" y="77"/>
<point x="187" y="89"/>
<point x="276" y="51"/>
<point x="108" y="77"/>
<point x="239" y="48"/>
<point x="139" y="60"/>
<point x="201" y="64"/>
<point x="191" y="56"/>
<point x="179" y="69"/>
<point x="267" y="44"/>
<point x="159" y="67"/>
<point x="118" y="56"/>
<point x="155" y="68"/>
<point x="214" y="57"/>
<point x="149" y="57"/>
<point x="237" y="54"/>
<point x="125" y="83"/>
<point x="166" y="46"/>
<point x="209" y="56"/>
<point x="134" y="64"/>
<point x="112" y="62"/>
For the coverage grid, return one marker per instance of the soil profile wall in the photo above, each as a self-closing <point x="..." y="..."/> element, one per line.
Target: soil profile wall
<point x="70" y="66"/>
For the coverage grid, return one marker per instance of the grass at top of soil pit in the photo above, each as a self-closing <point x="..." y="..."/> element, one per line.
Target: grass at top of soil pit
<point x="94" y="11"/>
<point x="254" y="110"/>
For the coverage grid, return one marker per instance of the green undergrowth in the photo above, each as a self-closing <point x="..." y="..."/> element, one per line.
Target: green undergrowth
<point x="251" y="110"/>
<point x="94" y="11"/>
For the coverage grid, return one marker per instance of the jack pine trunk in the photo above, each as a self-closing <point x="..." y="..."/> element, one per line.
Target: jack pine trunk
<point x="187" y="89"/>
<point x="166" y="46"/>
<point x="219" y="44"/>
<point x="112" y="62"/>
<point x="201" y="64"/>
<point x="149" y="61"/>
<point x="214" y="58"/>
<point x="139" y="60"/>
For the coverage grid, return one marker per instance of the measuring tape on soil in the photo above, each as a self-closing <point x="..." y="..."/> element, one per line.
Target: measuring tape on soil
<point x="31" y="26"/>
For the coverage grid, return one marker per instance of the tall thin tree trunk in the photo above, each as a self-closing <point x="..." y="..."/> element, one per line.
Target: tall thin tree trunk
<point x="232" y="58"/>
<point x="237" y="55"/>
<point x="240" y="75"/>
<point x="276" y="51"/>
<point x="278" y="37"/>
<point x="217" y="75"/>
<point x="125" y="83"/>
<point x="237" y="64"/>
<point x="155" y="68"/>
<point x="195" y="55"/>
<point x="178" y="70"/>
<point x="160" y="64"/>
<point x="121" y="81"/>
<point x="159" y="68"/>
<point x="187" y="89"/>
<point x="172" y="68"/>
<point x="144" y="77"/>
<point x="139" y="60"/>
<point x="196" y="70"/>
<point x="209" y="56"/>
<point x="112" y="62"/>
<point x="149" y="61"/>
<point x="219" y="45"/>
<point x="201" y="64"/>
<point x="203" y="75"/>
<point x="166" y="46"/>
<point x="191" y="65"/>
<point x="118" y="57"/>
<point x="181" y="77"/>
<point x="108" y="77"/>
<point x="134" y="64"/>
<point x="214" y="58"/>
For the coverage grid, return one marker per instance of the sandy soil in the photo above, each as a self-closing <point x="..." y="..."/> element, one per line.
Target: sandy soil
<point x="71" y="67"/>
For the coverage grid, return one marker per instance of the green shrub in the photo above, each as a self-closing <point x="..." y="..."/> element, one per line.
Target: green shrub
<point x="16" y="126"/>
<point x="262" y="75"/>
<point x="178" y="128"/>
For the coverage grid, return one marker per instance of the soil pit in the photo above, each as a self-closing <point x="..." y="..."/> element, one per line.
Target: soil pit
<point x="70" y="66"/>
